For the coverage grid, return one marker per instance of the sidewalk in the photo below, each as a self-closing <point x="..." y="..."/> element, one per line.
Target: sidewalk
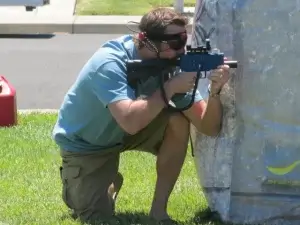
<point x="58" y="17"/>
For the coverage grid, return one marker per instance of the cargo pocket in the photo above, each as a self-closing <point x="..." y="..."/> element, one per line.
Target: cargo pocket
<point x="69" y="177"/>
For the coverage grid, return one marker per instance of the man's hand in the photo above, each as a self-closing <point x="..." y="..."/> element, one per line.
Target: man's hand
<point x="207" y="117"/>
<point x="219" y="78"/>
<point x="182" y="82"/>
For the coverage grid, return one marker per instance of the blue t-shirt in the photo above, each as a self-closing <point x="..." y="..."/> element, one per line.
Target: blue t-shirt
<point x="84" y="121"/>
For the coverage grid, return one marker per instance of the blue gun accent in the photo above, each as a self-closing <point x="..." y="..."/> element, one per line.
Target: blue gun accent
<point x="202" y="62"/>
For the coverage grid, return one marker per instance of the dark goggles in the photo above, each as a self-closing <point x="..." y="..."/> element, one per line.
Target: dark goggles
<point x="175" y="41"/>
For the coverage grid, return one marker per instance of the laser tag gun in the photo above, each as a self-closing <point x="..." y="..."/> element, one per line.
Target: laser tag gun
<point x="200" y="59"/>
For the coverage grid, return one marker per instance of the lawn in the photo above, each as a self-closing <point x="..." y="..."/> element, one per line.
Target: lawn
<point x="123" y="7"/>
<point x="30" y="187"/>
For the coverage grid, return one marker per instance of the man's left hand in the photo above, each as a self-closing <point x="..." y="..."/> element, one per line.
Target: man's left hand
<point x="219" y="78"/>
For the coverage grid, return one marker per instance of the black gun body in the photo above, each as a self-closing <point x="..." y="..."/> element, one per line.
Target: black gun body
<point x="138" y="70"/>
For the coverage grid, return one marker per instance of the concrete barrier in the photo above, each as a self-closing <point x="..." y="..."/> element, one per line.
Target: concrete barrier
<point x="250" y="173"/>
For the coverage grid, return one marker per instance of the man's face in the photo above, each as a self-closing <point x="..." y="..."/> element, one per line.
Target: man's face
<point x="175" y="45"/>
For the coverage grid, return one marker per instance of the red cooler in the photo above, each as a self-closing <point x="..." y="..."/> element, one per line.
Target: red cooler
<point x="8" y="104"/>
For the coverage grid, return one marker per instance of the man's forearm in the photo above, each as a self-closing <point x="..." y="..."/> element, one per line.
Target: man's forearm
<point x="143" y="111"/>
<point x="212" y="119"/>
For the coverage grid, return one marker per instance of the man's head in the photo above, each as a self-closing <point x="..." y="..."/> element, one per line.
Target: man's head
<point x="163" y="33"/>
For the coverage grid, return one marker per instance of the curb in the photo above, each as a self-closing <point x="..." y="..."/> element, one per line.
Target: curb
<point x="106" y="25"/>
<point x="37" y="111"/>
<point x="36" y="25"/>
<point x="71" y="25"/>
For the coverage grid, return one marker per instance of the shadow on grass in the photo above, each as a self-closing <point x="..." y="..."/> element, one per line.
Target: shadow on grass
<point x="207" y="217"/>
<point x="140" y="218"/>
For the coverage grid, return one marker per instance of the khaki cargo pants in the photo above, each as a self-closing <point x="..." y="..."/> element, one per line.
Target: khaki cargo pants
<point x="87" y="176"/>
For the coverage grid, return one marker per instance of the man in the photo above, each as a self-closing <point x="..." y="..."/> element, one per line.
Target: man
<point x="102" y="116"/>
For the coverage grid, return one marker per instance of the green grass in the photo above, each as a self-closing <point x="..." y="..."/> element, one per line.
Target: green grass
<point x="30" y="187"/>
<point x="123" y="7"/>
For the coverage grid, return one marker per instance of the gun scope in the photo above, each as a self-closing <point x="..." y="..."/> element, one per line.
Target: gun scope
<point x="199" y="49"/>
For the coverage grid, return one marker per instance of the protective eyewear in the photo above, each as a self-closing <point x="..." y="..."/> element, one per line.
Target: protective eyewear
<point x="175" y="41"/>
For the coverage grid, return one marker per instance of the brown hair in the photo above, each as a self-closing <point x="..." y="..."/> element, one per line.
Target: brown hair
<point x="156" y="21"/>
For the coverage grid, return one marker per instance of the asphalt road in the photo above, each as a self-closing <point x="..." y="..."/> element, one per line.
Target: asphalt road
<point x="42" y="69"/>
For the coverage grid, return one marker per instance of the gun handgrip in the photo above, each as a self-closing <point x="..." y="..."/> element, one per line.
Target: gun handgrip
<point x="231" y="64"/>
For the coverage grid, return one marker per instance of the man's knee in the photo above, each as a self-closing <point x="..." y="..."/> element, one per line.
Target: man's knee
<point x="85" y="185"/>
<point x="179" y="126"/>
<point x="86" y="195"/>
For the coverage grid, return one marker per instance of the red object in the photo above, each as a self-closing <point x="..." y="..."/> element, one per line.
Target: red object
<point x="8" y="104"/>
<point x="141" y="36"/>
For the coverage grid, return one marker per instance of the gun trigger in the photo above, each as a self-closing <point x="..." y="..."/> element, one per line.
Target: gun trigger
<point x="199" y="73"/>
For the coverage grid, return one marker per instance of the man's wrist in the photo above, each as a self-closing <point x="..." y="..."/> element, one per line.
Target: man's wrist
<point x="213" y="92"/>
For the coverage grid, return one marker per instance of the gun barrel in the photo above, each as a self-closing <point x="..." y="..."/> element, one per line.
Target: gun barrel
<point x="231" y="64"/>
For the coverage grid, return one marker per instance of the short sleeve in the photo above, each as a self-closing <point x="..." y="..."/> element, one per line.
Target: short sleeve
<point x="109" y="83"/>
<point x="181" y="100"/>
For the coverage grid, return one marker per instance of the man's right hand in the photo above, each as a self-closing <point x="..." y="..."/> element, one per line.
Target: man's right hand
<point x="134" y="115"/>
<point x="182" y="82"/>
